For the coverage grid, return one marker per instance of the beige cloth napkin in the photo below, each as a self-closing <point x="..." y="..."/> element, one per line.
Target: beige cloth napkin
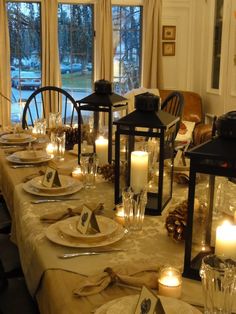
<point x="132" y="275"/>
<point x="60" y="214"/>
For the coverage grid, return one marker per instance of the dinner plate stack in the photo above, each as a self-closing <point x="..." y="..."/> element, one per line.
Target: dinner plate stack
<point x="65" y="232"/>
<point x="68" y="186"/>
<point x="17" y="138"/>
<point x="29" y="156"/>
<point x="127" y="305"/>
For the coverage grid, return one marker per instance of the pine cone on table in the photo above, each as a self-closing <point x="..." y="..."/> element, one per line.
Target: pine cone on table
<point x="108" y="172"/>
<point x="176" y="221"/>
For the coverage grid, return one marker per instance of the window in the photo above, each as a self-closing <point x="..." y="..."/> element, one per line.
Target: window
<point x="127" y="47"/>
<point x="75" y="33"/>
<point x="25" y="47"/>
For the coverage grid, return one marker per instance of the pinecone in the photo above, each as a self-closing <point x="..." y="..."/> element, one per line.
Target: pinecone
<point x="176" y="221"/>
<point x="108" y="172"/>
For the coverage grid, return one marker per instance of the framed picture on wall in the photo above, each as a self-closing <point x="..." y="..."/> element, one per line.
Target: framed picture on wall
<point x="168" y="49"/>
<point x="168" y="32"/>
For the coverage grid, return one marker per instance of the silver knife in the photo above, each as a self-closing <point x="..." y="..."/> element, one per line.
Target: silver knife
<point x="24" y="166"/>
<point x="71" y="255"/>
<point x="54" y="200"/>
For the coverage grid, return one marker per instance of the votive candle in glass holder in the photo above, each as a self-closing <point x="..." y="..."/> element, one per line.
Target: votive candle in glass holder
<point x="50" y="149"/>
<point x="120" y="214"/>
<point x="170" y="282"/>
<point x="77" y="173"/>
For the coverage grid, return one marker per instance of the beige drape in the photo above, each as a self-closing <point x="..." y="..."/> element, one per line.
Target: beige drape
<point x="5" y="79"/>
<point x="151" y="42"/>
<point x="50" y="53"/>
<point x="104" y="50"/>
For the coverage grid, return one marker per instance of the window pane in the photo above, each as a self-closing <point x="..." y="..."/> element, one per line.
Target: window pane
<point x="127" y="47"/>
<point x="217" y="44"/>
<point x="75" y="33"/>
<point x="25" y="46"/>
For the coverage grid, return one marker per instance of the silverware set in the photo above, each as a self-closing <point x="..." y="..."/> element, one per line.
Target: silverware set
<point x="88" y="253"/>
<point x="52" y="200"/>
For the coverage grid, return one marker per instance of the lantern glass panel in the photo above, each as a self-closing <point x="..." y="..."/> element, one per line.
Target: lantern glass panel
<point x="130" y="143"/>
<point x="213" y="204"/>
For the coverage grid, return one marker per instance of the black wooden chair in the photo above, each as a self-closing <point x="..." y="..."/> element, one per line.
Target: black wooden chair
<point x="50" y="99"/>
<point x="174" y="104"/>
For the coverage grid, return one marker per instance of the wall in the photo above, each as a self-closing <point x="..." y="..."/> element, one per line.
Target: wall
<point x="190" y="68"/>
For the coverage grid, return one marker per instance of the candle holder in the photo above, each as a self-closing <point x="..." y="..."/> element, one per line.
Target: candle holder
<point x="103" y="104"/>
<point x="136" y="131"/>
<point x="209" y="163"/>
<point x="170" y="282"/>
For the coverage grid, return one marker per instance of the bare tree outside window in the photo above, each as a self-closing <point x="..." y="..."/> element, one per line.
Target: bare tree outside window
<point x="25" y="49"/>
<point x="75" y="33"/>
<point x="126" y="47"/>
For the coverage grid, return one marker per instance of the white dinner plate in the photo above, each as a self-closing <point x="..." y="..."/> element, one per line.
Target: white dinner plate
<point x="12" y="158"/>
<point x="54" y="234"/>
<point x="31" y="155"/>
<point x="127" y="305"/>
<point x="18" y="137"/>
<point x="19" y="141"/>
<point x="71" y="190"/>
<point x="66" y="183"/>
<point x="106" y="225"/>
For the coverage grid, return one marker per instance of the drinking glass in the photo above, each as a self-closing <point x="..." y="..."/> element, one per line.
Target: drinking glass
<point x="40" y="126"/>
<point x="134" y="208"/>
<point x="218" y="275"/>
<point x="55" y="120"/>
<point x="89" y="165"/>
<point x="58" y="139"/>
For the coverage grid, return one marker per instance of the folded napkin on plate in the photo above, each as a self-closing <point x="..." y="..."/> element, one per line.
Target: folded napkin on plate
<point x="64" y="168"/>
<point x="134" y="275"/>
<point x="33" y="175"/>
<point x="60" y="214"/>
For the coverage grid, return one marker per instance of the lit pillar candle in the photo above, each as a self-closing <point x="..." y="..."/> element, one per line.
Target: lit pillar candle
<point x="170" y="282"/>
<point x="139" y="170"/>
<point x="226" y="240"/>
<point x="102" y="150"/>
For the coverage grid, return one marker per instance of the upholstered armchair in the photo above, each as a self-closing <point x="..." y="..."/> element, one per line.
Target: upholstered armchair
<point x="193" y="112"/>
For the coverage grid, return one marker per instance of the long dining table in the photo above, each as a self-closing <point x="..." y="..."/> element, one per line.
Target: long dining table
<point x="52" y="280"/>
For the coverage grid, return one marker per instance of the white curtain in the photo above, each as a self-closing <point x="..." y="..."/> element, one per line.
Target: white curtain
<point x="5" y="79"/>
<point x="151" y="42"/>
<point x="104" y="50"/>
<point x="50" y="53"/>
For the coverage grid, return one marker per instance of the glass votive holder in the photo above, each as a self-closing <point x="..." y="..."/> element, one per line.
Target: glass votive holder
<point x="120" y="214"/>
<point x="50" y="149"/>
<point x="170" y="282"/>
<point x="77" y="173"/>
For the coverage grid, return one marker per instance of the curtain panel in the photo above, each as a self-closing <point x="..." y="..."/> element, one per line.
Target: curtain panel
<point x="5" y="79"/>
<point x="152" y="10"/>
<point x="51" y="74"/>
<point x="104" y="47"/>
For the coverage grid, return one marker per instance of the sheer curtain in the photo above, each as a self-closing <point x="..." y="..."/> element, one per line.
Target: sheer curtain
<point x="50" y="53"/>
<point x="5" y="79"/>
<point x="151" y="42"/>
<point x="104" y="52"/>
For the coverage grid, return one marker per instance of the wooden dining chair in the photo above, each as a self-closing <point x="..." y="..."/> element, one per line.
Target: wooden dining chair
<point x="50" y="99"/>
<point x="174" y="104"/>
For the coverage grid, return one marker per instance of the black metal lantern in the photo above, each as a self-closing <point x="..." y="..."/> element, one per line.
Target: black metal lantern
<point x="209" y="163"/>
<point x="146" y="125"/>
<point x="103" y="100"/>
